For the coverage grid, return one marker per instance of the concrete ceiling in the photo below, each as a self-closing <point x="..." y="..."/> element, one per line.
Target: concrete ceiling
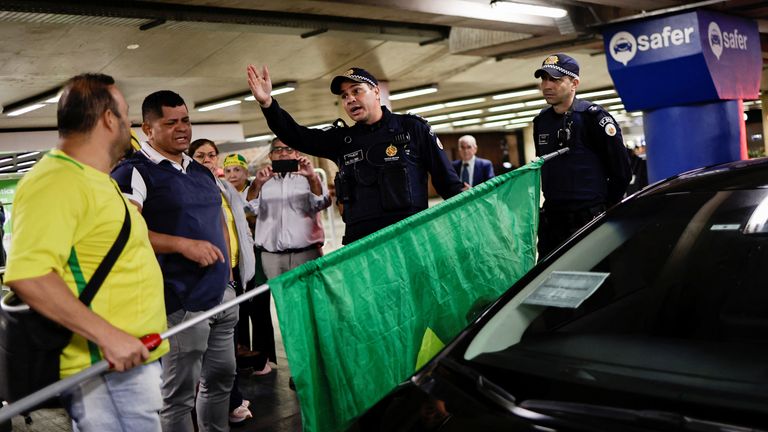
<point x="200" y="48"/>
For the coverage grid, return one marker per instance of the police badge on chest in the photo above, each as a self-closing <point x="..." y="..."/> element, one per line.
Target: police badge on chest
<point x="391" y="152"/>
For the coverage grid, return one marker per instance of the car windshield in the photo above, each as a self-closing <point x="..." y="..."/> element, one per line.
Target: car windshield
<point x="665" y="299"/>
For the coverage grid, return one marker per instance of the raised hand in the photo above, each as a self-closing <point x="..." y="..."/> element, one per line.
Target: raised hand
<point x="260" y="84"/>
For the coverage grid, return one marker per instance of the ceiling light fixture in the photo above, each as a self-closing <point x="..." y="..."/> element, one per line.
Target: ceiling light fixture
<point x="26" y="155"/>
<point x="425" y="108"/>
<point x="41" y="100"/>
<point x="501" y="117"/>
<point x="277" y="89"/>
<point x="465" y="113"/>
<point x="596" y="93"/>
<point x="454" y="104"/>
<point x="238" y="98"/>
<point x="607" y="101"/>
<point x="521" y="120"/>
<point x="218" y="105"/>
<point x="466" y="122"/>
<point x="437" y="118"/>
<point x="259" y="138"/>
<point x="496" y="124"/>
<point x="413" y="92"/>
<point x="506" y="107"/>
<point x="517" y="93"/>
<point x="528" y="9"/>
<point x="515" y="126"/>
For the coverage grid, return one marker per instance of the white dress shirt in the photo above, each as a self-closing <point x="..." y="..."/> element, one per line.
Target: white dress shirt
<point x="288" y="214"/>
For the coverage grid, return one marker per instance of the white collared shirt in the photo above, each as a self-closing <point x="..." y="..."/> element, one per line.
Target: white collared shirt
<point x="138" y="188"/>
<point x="288" y="214"/>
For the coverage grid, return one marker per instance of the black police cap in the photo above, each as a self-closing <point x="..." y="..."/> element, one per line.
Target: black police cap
<point x="355" y="75"/>
<point x="557" y="66"/>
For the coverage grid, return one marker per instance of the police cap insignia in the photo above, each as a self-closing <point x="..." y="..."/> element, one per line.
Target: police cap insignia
<point x="551" y="60"/>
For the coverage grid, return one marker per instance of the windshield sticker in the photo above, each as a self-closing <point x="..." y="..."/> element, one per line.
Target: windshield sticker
<point x="566" y="289"/>
<point x="725" y="227"/>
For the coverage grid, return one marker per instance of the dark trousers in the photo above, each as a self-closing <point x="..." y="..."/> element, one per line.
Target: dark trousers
<point x="557" y="225"/>
<point x="256" y="312"/>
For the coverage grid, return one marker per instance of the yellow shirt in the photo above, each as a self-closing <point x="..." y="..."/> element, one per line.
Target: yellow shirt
<point x="234" y="244"/>
<point x="66" y="216"/>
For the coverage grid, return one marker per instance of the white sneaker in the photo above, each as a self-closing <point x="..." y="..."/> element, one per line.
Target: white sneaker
<point x="266" y="371"/>
<point x="240" y="413"/>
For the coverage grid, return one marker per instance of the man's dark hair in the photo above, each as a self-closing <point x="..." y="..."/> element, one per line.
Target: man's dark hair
<point x="83" y="100"/>
<point x="152" y="108"/>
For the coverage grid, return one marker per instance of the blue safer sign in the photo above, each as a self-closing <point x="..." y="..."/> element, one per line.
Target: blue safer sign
<point x="676" y="60"/>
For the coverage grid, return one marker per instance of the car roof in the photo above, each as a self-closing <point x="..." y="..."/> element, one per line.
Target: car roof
<point x="745" y="174"/>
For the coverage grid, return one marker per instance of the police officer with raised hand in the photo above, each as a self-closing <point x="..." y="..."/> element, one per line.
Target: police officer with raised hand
<point x="594" y="173"/>
<point x="383" y="159"/>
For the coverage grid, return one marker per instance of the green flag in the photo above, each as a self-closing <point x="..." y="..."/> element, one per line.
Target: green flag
<point x="359" y="321"/>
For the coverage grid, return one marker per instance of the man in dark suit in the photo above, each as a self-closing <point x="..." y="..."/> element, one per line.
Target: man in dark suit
<point x="472" y="170"/>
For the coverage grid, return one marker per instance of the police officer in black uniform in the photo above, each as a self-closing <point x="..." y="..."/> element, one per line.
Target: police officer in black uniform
<point x="594" y="173"/>
<point x="383" y="159"/>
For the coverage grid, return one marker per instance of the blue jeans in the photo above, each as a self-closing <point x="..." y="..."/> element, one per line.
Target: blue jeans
<point x="117" y="401"/>
<point x="203" y="353"/>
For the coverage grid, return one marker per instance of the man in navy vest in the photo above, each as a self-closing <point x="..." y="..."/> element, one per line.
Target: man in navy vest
<point x="181" y="203"/>
<point x="471" y="169"/>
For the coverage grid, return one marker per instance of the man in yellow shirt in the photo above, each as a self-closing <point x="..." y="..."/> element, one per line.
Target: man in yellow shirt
<point x="67" y="214"/>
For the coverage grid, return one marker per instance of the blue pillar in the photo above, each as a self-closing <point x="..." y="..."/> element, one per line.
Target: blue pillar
<point x="688" y="73"/>
<point x="681" y="138"/>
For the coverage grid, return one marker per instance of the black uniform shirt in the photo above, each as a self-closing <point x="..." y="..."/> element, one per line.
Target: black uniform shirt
<point x="384" y="165"/>
<point x="596" y="168"/>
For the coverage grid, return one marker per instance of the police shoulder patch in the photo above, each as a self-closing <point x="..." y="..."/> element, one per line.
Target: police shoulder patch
<point x="610" y="129"/>
<point x="594" y="108"/>
<point x="605" y="120"/>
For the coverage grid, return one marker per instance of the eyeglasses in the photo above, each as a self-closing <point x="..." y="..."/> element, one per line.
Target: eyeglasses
<point x="203" y="156"/>
<point x="276" y="150"/>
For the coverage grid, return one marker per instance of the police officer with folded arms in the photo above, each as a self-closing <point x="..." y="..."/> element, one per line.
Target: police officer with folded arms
<point x="594" y="173"/>
<point x="383" y="159"/>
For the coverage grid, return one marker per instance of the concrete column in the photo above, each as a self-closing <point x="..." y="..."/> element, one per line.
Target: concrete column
<point x="384" y="93"/>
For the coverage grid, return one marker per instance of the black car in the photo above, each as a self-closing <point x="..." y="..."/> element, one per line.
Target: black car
<point x="652" y="317"/>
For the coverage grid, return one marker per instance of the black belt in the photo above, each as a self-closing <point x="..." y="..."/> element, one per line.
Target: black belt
<point x="288" y="251"/>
